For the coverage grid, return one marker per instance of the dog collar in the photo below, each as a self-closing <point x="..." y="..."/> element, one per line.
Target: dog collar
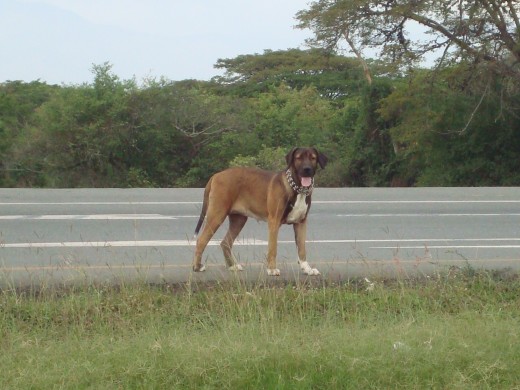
<point x="299" y="189"/>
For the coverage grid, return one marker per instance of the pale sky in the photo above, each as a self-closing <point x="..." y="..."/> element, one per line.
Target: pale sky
<point x="57" y="41"/>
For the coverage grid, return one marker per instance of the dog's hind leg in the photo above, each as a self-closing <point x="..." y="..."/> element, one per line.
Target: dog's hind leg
<point x="236" y="223"/>
<point x="213" y="222"/>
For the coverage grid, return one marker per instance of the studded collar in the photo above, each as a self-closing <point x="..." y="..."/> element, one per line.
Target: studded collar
<point x="298" y="189"/>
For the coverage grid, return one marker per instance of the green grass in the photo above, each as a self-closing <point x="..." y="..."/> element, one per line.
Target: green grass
<point x="448" y="332"/>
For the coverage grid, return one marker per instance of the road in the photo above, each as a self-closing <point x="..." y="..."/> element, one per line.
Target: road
<point x="104" y="235"/>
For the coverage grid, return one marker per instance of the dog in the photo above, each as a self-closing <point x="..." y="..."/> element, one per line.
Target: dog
<point x="278" y="198"/>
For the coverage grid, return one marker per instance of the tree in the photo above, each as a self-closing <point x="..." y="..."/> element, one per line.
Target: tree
<point x="474" y="31"/>
<point x="181" y="124"/>
<point x="441" y="140"/>
<point x="86" y="133"/>
<point x="334" y="76"/>
<point x="476" y="42"/>
<point x="18" y="103"/>
<point x="484" y="34"/>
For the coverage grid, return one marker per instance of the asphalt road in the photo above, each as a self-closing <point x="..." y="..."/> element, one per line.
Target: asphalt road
<point x="104" y="235"/>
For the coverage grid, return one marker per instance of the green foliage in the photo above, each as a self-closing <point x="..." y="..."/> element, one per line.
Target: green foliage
<point x="86" y="134"/>
<point x="449" y="126"/>
<point x="18" y="103"/>
<point x="287" y="118"/>
<point x="178" y="122"/>
<point x="448" y="135"/>
<point x="451" y="129"/>
<point x="333" y="76"/>
<point x="271" y="159"/>
<point x="371" y="150"/>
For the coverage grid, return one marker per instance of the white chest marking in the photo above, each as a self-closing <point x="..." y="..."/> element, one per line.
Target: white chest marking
<point x="299" y="210"/>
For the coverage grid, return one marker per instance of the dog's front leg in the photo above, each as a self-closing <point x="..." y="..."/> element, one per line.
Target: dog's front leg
<point x="300" y="236"/>
<point x="274" y="227"/>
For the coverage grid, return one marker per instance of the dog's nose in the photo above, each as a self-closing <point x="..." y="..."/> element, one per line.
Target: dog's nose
<point x="307" y="171"/>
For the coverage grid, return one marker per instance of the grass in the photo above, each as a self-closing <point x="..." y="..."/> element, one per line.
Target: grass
<point x="454" y="331"/>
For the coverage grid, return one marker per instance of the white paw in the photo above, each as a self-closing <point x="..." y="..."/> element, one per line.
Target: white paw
<point x="201" y="269"/>
<point x="308" y="270"/>
<point x="236" y="267"/>
<point x="273" y="272"/>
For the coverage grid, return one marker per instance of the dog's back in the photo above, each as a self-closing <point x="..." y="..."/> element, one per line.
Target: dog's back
<point x="240" y="191"/>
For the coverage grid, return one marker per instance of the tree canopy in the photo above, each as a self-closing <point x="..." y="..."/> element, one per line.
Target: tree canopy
<point x="333" y="75"/>
<point x="475" y="31"/>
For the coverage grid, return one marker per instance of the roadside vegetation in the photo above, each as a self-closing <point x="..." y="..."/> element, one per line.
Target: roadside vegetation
<point x="459" y="329"/>
<point x="440" y="106"/>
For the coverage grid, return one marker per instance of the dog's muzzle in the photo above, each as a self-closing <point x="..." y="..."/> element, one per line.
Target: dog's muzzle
<point x="307" y="172"/>
<point x="307" y="183"/>
<point x="306" y="175"/>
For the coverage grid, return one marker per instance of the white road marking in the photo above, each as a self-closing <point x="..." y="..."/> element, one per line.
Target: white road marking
<point x="451" y="247"/>
<point x="421" y="215"/>
<point x="422" y="243"/>
<point x="95" y="203"/>
<point x="390" y="243"/>
<point x="58" y="217"/>
<point x="325" y="202"/>
<point x="412" y="201"/>
<point x="113" y="244"/>
<point x="398" y="240"/>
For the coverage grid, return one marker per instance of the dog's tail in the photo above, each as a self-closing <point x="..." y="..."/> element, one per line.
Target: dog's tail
<point x="204" y="209"/>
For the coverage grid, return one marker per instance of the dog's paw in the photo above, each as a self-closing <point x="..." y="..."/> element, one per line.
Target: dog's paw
<point x="201" y="268"/>
<point x="308" y="270"/>
<point x="236" y="267"/>
<point x="273" y="272"/>
<point x="313" y="272"/>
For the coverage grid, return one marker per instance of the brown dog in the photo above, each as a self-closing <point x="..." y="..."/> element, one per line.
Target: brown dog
<point x="278" y="198"/>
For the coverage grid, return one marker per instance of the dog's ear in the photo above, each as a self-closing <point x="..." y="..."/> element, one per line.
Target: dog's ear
<point x="322" y="159"/>
<point x="290" y="156"/>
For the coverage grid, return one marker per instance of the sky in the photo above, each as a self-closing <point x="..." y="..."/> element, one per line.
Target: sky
<point x="58" y="41"/>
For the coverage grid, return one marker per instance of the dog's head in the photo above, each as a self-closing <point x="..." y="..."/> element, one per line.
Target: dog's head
<point x="303" y="162"/>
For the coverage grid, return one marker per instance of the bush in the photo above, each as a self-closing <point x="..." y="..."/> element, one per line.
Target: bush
<point x="271" y="159"/>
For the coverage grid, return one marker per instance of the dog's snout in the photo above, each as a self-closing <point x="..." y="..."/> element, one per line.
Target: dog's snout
<point x="307" y="171"/>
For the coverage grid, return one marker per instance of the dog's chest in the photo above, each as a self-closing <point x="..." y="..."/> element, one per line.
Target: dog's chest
<point x="299" y="210"/>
